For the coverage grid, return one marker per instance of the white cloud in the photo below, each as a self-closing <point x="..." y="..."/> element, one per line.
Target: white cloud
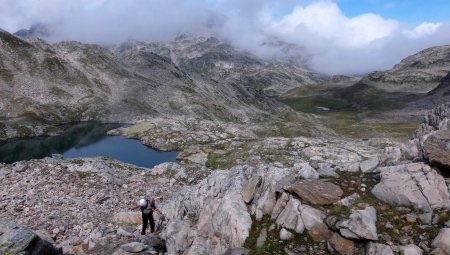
<point x="334" y="42"/>
<point x="423" y="29"/>
<point x="325" y="21"/>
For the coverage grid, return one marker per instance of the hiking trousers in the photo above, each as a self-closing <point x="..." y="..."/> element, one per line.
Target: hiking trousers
<point x="145" y="219"/>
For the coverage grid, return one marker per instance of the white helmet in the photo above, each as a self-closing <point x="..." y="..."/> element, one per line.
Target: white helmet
<point x="142" y="202"/>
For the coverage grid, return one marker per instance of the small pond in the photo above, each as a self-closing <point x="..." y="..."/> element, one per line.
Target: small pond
<point x="84" y="140"/>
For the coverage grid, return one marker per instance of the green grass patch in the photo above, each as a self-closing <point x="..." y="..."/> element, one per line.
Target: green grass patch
<point x="84" y="175"/>
<point x="274" y="245"/>
<point x="77" y="161"/>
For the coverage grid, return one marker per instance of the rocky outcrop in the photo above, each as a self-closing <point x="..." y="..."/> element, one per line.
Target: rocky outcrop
<point x="435" y="119"/>
<point x="15" y="239"/>
<point x="414" y="184"/>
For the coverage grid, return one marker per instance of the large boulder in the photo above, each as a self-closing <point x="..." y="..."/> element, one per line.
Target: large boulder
<point x="415" y="184"/>
<point x="19" y="240"/>
<point x="360" y="225"/>
<point x="316" y="192"/>
<point x="437" y="149"/>
<point x="442" y="240"/>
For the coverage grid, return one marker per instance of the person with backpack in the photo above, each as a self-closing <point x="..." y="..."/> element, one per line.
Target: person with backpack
<point x="147" y="207"/>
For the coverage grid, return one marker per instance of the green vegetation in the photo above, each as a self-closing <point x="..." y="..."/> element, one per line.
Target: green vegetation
<point x="53" y="64"/>
<point x="274" y="245"/>
<point x="84" y="175"/>
<point x="8" y="246"/>
<point x="355" y="111"/>
<point x="221" y="159"/>
<point x="353" y="125"/>
<point x="77" y="161"/>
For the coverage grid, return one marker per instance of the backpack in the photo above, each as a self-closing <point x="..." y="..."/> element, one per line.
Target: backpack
<point x="147" y="209"/>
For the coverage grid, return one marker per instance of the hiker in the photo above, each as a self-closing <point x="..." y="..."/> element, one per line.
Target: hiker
<point x="147" y="207"/>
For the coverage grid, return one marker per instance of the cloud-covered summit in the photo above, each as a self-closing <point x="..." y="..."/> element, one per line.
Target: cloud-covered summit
<point x="334" y="42"/>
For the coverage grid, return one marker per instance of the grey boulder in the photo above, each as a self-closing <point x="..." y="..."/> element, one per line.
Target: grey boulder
<point x="415" y="184"/>
<point x="360" y="225"/>
<point x="19" y="240"/>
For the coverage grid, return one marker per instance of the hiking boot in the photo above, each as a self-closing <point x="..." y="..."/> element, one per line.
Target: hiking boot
<point x="142" y="232"/>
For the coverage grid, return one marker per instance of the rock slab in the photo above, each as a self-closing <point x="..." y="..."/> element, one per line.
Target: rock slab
<point x="249" y="190"/>
<point x="316" y="192"/>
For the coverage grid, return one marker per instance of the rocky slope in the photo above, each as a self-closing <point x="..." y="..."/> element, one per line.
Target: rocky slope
<point x="419" y="73"/>
<point x="45" y="84"/>
<point x="410" y="88"/>
<point x="281" y="196"/>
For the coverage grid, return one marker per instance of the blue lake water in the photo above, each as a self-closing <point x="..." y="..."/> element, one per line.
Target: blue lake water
<point x="84" y="140"/>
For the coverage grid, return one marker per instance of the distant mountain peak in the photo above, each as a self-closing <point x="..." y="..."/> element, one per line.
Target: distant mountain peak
<point x="37" y="30"/>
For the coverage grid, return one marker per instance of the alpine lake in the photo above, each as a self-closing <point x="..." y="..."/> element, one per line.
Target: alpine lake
<point x="84" y="140"/>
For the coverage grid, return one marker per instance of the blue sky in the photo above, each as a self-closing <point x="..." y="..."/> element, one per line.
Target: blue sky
<point x="411" y="12"/>
<point x="407" y="11"/>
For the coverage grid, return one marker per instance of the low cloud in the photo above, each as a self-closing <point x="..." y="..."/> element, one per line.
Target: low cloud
<point x="333" y="42"/>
